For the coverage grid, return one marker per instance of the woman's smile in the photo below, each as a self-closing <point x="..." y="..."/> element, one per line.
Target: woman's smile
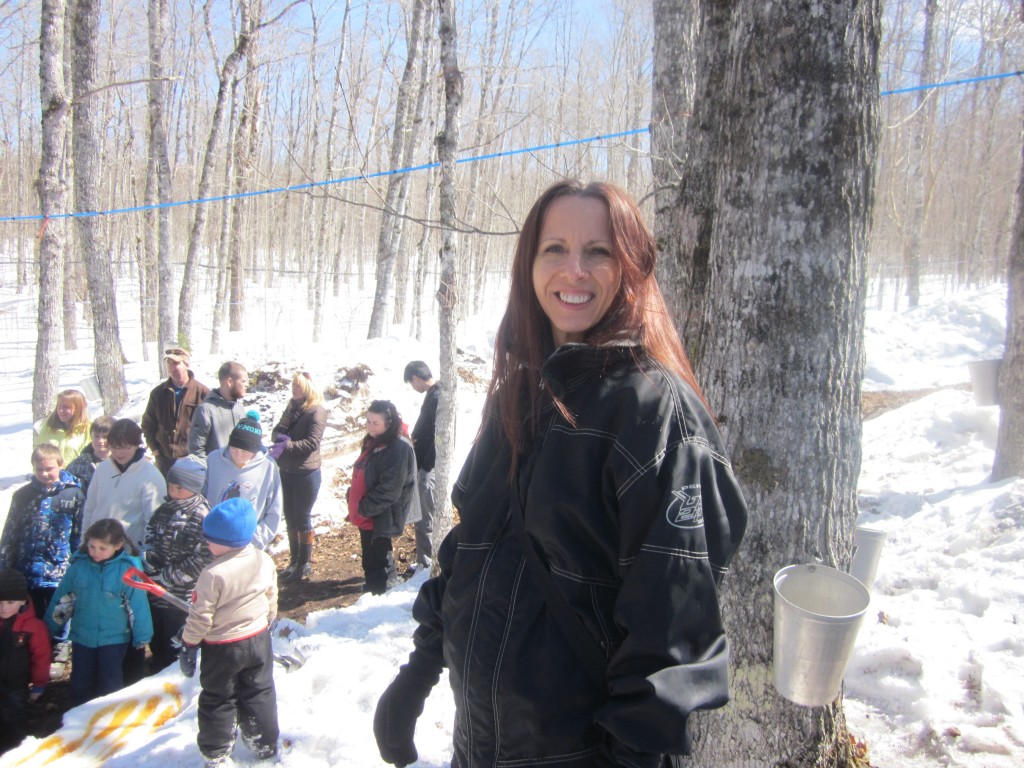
<point x="575" y="274"/>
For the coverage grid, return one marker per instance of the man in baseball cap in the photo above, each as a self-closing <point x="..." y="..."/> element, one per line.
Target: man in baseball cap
<point x="168" y="415"/>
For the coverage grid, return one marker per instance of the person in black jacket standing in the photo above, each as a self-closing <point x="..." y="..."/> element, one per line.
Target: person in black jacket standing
<point x="419" y="377"/>
<point x="382" y="496"/>
<point x="577" y="605"/>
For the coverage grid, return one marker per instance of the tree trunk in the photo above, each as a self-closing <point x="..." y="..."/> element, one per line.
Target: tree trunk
<point x="160" y="160"/>
<point x="220" y="266"/>
<point x="389" y="239"/>
<point x="195" y="241"/>
<point x="447" y="294"/>
<point x="73" y="274"/>
<point x="918" y="167"/>
<point x="246" y="142"/>
<point x="1009" y="459"/>
<point x="691" y="48"/>
<point x="52" y="201"/>
<point x="85" y="140"/>
<point x="782" y="326"/>
<point x="322" y="256"/>
<point x="420" y="279"/>
<point x="409" y="159"/>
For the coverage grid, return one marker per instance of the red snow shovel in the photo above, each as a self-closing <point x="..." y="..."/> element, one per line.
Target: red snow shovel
<point x="133" y="577"/>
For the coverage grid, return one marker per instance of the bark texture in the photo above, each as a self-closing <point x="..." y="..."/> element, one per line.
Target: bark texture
<point x="160" y="165"/>
<point x="52" y="200"/>
<point x="86" y="147"/>
<point x="390" y="235"/>
<point x="448" y="291"/>
<point x="776" y="225"/>
<point x="228" y="70"/>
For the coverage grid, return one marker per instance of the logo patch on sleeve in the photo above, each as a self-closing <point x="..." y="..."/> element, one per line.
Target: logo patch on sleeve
<point x="685" y="511"/>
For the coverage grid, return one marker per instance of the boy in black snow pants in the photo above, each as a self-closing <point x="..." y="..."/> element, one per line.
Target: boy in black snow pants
<point x="233" y="605"/>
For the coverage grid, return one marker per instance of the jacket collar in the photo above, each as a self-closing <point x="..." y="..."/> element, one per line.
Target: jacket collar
<point x="571" y="365"/>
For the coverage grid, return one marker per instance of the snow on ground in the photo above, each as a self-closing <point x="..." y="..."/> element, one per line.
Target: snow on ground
<point x="936" y="677"/>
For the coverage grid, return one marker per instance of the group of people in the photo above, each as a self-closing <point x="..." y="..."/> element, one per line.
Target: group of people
<point x="96" y="507"/>
<point x="575" y="605"/>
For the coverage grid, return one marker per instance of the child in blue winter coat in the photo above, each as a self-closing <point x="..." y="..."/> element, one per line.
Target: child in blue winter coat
<point x="108" y="614"/>
<point x="43" y="525"/>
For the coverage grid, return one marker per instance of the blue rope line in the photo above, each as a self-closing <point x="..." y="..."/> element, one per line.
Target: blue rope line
<point x="950" y="83"/>
<point x="427" y="166"/>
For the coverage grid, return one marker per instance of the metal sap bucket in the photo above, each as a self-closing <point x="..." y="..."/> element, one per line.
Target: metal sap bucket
<point x="818" y="611"/>
<point x="985" y="381"/>
<point x="867" y="550"/>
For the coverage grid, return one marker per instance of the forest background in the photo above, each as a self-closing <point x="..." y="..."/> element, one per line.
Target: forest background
<point x="292" y="115"/>
<point x="213" y="152"/>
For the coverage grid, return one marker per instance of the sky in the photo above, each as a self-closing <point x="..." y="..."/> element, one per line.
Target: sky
<point x="936" y="676"/>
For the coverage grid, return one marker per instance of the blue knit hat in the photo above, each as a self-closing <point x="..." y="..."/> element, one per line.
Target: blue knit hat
<point x="232" y="523"/>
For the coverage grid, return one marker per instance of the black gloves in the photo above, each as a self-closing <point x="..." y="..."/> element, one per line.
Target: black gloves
<point x="394" y="722"/>
<point x="187" y="659"/>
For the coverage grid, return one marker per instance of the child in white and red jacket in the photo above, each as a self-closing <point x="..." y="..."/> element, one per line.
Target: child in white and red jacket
<point x="233" y="606"/>
<point x="24" y="656"/>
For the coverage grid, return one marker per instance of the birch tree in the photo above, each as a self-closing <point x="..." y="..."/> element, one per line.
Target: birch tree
<point x="85" y="142"/>
<point x="779" y="341"/>
<point x="52" y="201"/>
<point x="447" y="293"/>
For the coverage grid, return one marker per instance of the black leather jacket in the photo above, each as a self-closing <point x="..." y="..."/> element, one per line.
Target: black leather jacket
<point x="636" y="512"/>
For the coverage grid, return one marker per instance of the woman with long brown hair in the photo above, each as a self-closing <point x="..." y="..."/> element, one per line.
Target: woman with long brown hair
<point x="577" y="607"/>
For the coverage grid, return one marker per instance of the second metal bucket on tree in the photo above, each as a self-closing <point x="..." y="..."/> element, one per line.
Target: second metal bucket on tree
<point x="818" y="611"/>
<point x="985" y="381"/>
<point x="867" y="543"/>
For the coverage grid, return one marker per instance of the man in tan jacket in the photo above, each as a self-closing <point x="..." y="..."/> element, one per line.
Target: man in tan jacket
<point x="233" y="606"/>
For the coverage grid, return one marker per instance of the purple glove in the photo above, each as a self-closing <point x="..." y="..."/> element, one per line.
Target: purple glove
<point x="277" y="448"/>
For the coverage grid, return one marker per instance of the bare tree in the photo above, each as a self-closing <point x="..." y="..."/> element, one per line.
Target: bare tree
<point x="448" y="291"/>
<point x="228" y="71"/>
<point x="918" y="170"/>
<point x="52" y="200"/>
<point x="390" y="233"/>
<point x="781" y="329"/>
<point x="322" y="260"/>
<point x="85" y="142"/>
<point x="245" y="150"/>
<point x="160" y="165"/>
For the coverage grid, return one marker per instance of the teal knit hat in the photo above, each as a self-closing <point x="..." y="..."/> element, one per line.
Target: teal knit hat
<point x="247" y="434"/>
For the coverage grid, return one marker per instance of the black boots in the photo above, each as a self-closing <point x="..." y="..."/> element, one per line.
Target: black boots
<point x="301" y="545"/>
